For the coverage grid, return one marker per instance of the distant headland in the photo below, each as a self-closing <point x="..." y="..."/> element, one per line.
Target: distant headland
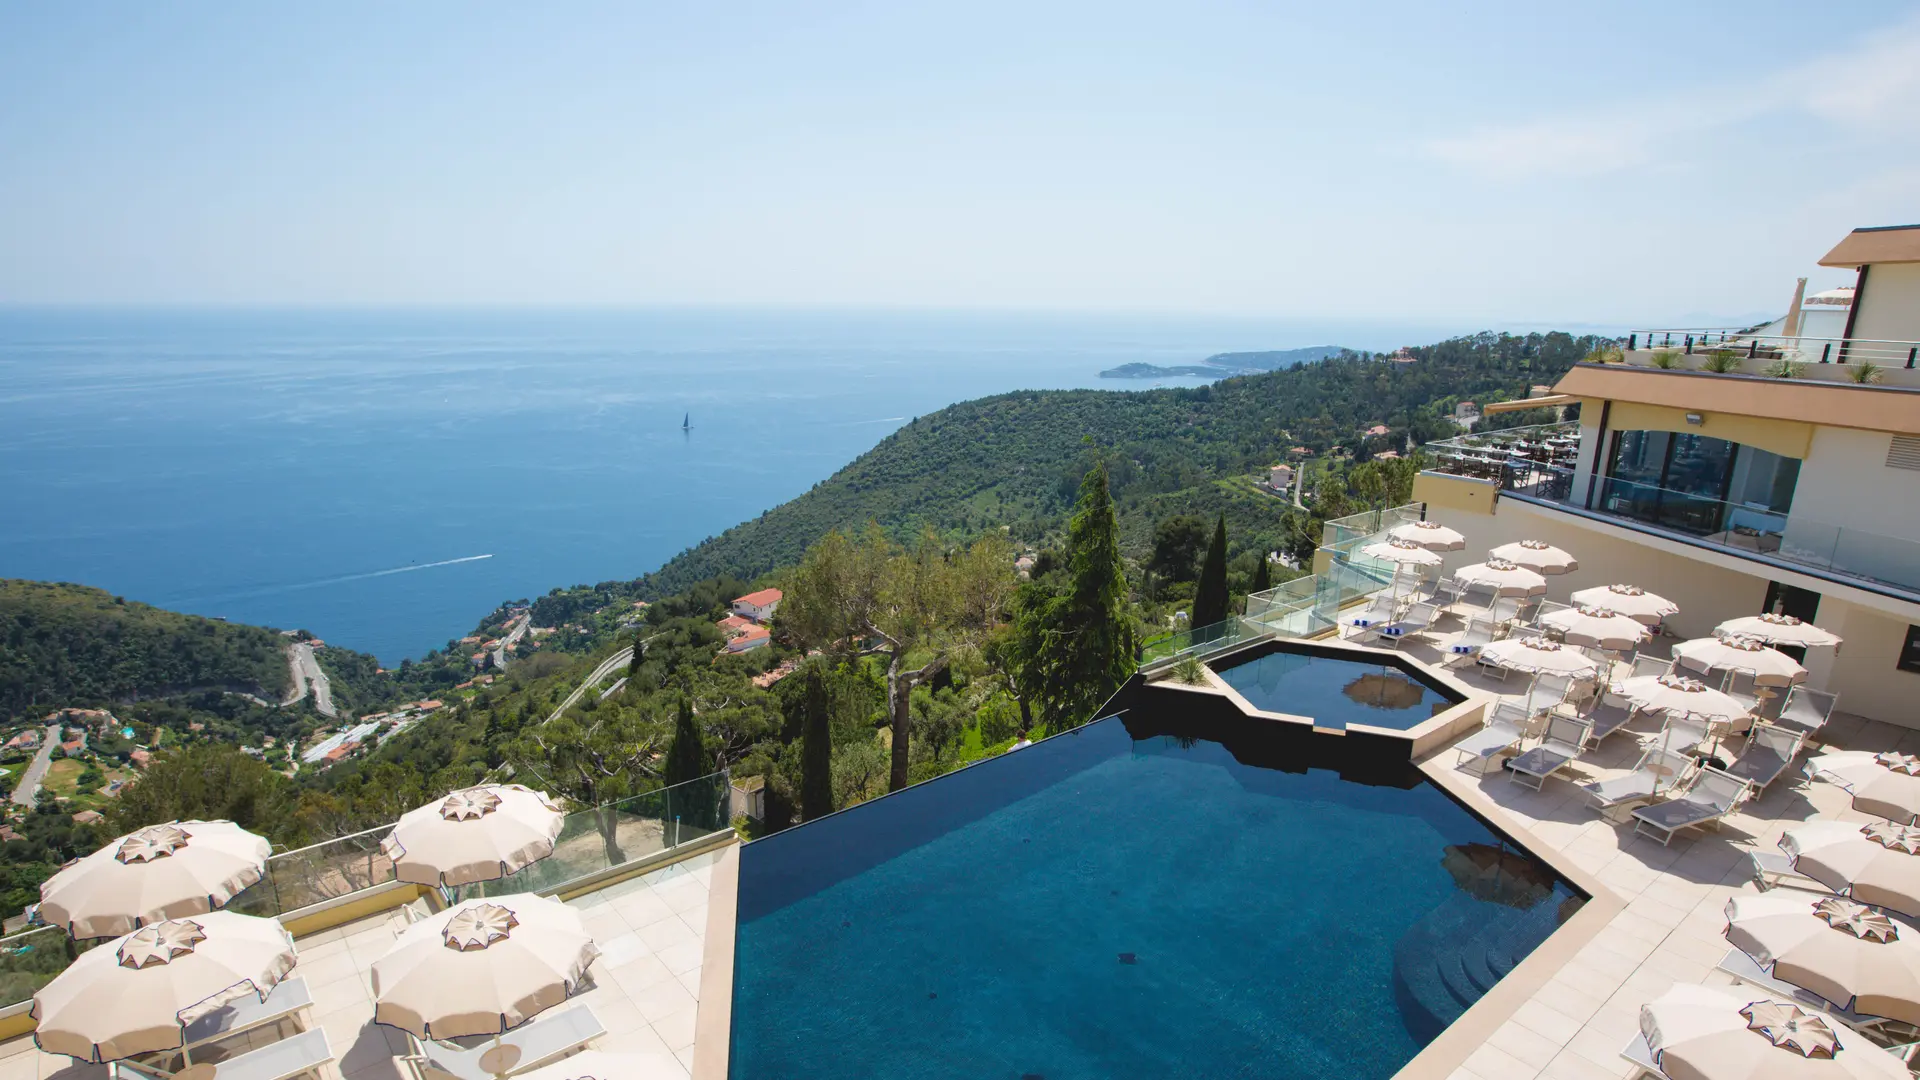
<point x="1224" y="365"/>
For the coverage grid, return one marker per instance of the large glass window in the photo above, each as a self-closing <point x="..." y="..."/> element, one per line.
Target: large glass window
<point x="1700" y="485"/>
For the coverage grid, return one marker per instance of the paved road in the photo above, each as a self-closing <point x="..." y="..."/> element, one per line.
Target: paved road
<point x="607" y="667"/>
<point x="519" y="630"/>
<point x="29" y="785"/>
<point x="306" y="672"/>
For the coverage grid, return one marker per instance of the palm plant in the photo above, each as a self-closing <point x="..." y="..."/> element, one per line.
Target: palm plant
<point x="1190" y="671"/>
<point x="1722" y="362"/>
<point x="1786" y="369"/>
<point x="1865" y="373"/>
<point x="1665" y="359"/>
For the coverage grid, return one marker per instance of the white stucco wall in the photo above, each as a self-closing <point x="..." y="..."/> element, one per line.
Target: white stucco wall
<point x="1890" y="306"/>
<point x="1862" y="671"/>
<point x="1845" y="481"/>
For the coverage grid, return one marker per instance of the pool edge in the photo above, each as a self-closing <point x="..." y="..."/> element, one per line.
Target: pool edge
<point x="713" y="1022"/>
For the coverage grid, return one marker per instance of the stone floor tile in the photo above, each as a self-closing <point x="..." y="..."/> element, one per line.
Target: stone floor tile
<point x="1525" y="1044"/>
<point x="1493" y="1063"/>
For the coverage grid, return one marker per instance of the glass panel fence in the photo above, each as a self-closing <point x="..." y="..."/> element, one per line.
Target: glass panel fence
<point x="30" y="960"/>
<point x="621" y="832"/>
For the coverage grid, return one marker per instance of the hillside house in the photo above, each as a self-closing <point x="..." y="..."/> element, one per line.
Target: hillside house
<point x="758" y="606"/>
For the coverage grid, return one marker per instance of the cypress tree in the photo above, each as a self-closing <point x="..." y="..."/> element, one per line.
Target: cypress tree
<point x="816" y="748"/>
<point x="686" y="755"/>
<point x="1086" y="635"/>
<point x="1263" y="575"/>
<point x="1210" y="595"/>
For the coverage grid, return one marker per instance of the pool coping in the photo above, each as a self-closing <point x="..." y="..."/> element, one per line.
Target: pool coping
<point x="713" y="1020"/>
<point x="1451" y="1048"/>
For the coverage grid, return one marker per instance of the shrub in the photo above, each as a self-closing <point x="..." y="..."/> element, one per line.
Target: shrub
<point x="1864" y="373"/>
<point x="1665" y="359"/>
<point x="1722" y="362"/>
<point x="1190" y="671"/>
<point x="1786" y="369"/>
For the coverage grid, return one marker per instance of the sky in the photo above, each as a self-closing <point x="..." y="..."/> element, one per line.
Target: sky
<point x="1595" y="164"/>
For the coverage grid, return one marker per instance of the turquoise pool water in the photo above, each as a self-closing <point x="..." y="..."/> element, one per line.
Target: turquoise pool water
<point x="1335" y="691"/>
<point x="1105" y="906"/>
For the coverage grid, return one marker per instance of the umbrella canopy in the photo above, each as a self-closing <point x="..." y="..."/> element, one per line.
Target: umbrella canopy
<point x="1537" y="656"/>
<point x="1402" y="552"/>
<point x="1708" y="1033"/>
<point x="481" y="967"/>
<point x="606" y="1065"/>
<point x="1844" y="951"/>
<point x="1597" y="626"/>
<point x="475" y="834"/>
<point x="1537" y="555"/>
<point x="1881" y="784"/>
<point x="137" y="993"/>
<point x="1497" y="874"/>
<point x="1430" y="535"/>
<point x="1876" y="864"/>
<point x="160" y="872"/>
<point x="1385" y="690"/>
<point x="1770" y="667"/>
<point x="1779" y="630"/>
<point x="1630" y="600"/>
<point x="1678" y="694"/>
<point x="1505" y="578"/>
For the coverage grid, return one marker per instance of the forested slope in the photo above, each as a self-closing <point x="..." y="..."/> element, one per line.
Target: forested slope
<point x="1015" y="458"/>
<point x="72" y="645"/>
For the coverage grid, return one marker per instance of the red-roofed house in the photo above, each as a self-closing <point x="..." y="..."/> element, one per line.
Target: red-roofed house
<point x="750" y="639"/>
<point x="734" y="624"/>
<point x="141" y="758"/>
<point x="758" y="606"/>
<point x="1377" y="429"/>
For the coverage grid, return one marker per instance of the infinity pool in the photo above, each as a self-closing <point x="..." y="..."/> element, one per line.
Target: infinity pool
<point x="1103" y="905"/>
<point x="1335" y="691"/>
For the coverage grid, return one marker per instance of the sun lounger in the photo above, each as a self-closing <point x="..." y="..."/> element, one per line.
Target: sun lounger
<point x="1657" y="771"/>
<point x="1806" y="710"/>
<point x="290" y="998"/>
<point x="1640" y="1056"/>
<point x="1745" y="969"/>
<point x="1772" y="868"/>
<point x="1379" y="609"/>
<point x="1479" y="632"/>
<point x="1770" y="751"/>
<point x="302" y="1053"/>
<point x="543" y="1040"/>
<point x="1416" y="621"/>
<point x="1644" y="666"/>
<point x="1503" y="731"/>
<point x="1561" y="747"/>
<point x="1712" y="796"/>
<point x="1608" y="713"/>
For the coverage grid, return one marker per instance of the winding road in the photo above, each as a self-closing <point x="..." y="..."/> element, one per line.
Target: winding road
<point x="519" y="630"/>
<point x="29" y="785"/>
<point x="607" y="667"/>
<point x="306" y="672"/>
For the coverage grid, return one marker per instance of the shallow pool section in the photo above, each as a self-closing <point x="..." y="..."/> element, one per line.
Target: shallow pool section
<point x="1336" y="691"/>
<point x="1102" y="905"/>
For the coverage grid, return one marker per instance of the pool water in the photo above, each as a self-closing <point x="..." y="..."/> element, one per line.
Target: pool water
<point x="1335" y="692"/>
<point x="1101" y="906"/>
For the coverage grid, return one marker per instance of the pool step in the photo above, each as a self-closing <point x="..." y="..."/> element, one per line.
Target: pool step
<point x="1451" y="958"/>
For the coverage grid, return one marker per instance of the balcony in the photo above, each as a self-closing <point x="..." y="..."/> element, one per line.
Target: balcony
<point x="1537" y="465"/>
<point x="1732" y="351"/>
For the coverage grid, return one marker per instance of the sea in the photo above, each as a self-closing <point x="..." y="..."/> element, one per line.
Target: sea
<point x="385" y="477"/>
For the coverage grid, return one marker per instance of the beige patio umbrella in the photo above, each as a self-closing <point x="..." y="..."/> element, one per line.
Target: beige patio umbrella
<point x="1769" y="667"/>
<point x="1842" y="950"/>
<point x="1875" y="864"/>
<point x="137" y="994"/>
<point x="606" y="1065"/>
<point x="1709" y="1033"/>
<point x="1384" y="690"/>
<point x="1881" y="784"/>
<point x="160" y="872"/>
<point x="1497" y="874"/>
<point x="1505" y="578"/>
<point x="1678" y="694"/>
<point x="1630" y="600"/>
<point x="481" y="967"/>
<point x="1402" y="553"/>
<point x="1430" y="535"/>
<point x="1780" y="630"/>
<point x="475" y="834"/>
<point x="1537" y="555"/>
<point x="1600" y="627"/>
<point x="1538" y="656"/>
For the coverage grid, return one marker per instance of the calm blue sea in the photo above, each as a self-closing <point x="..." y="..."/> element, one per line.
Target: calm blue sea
<point x="384" y="478"/>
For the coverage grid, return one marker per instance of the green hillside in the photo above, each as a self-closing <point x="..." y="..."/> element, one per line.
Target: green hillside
<point x="1014" y="459"/>
<point x="72" y="645"/>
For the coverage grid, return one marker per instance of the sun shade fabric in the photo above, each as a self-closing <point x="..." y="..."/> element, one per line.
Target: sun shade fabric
<point x="170" y="871"/>
<point x="1629" y="600"/>
<point x="482" y="967"/>
<point x="1769" y="667"/>
<point x="476" y="834"/>
<point x="1539" y="656"/>
<point x="1537" y="555"/>
<point x="1893" y="794"/>
<point x="1842" y="950"/>
<point x="1430" y="535"/>
<point x="1779" y="630"/>
<point x="1846" y="857"/>
<point x="1701" y="1033"/>
<point x="137" y="993"/>
<point x="1600" y="627"/>
<point x="1504" y="578"/>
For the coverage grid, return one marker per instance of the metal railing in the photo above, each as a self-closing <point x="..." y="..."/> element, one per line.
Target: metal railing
<point x="1767" y="348"/>
<point x="591" y="841"/>
<point x="1537" y="461"/>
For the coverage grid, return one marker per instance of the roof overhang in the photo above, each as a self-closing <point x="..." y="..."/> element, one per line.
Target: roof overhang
<point x="1871" y="408"/>
<point x="1530" y="403"/>
<point x="1882" y="244"/>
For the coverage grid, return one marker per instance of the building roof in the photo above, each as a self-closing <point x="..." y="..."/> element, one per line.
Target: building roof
<point x="1871" y="408"/>
<point x="761" y="598"/>
<point x="1880" y="244"/>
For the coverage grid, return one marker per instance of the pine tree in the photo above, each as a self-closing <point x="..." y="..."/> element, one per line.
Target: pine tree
<point x="1263" y="574"/>
<point x="639" y="653"/>
<point x="816" y="748"/>
<point x="686" y="755"/>
<point x="1210" y="595"/>
<point x="1086" y="635"/>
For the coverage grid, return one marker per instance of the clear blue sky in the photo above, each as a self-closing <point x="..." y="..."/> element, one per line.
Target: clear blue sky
<point x="1599" y="163"/>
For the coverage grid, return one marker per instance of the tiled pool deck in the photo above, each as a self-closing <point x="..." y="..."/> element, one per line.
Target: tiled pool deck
<point x="1670" y="929"/>
<point x="651" y="931"/>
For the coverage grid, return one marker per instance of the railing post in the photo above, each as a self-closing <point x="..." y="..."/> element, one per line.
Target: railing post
<point x="1826" y="352"/>
<point x="1689" y="344"/>
<point x="1911" y="353"/>
<point x="1631" y="339"/>
<point x="1753" y="348"/>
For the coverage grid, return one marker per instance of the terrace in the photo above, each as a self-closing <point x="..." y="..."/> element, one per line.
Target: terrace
<point x="1740" y="351"/>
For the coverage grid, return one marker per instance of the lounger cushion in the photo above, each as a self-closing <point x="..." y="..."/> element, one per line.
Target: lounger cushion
<point x="1542" y="761"/>
<point x="1677" y="814"/>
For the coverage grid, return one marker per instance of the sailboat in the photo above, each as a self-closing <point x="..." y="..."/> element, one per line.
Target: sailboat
<point x="687" y="423"/>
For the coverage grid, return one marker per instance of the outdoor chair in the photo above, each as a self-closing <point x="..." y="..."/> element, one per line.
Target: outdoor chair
<point x="1770" y="750"/>
<point x="1504" y="729"/>
<point x="1806" y="710"/>
<point x="1549" y="690"/>
<point x="541" y="1041"/>
<point x="1478" y="597"/>
<point x="1548" y="607"/>
<point x="1684" y="731"/>
<point x="1771" y="868"/>
<point x="1657" y="771"/>
<point x="305" y="1052"/>
<point x="1527" y="610"/>
<point x="1644" y="666"/>
<point x="1504" y="609"/>
<point x="1746" y="969"/>
<point x="1418" y="619"/>
<point x="1380" y="608"/>
<point x="1608" y="712"/>
<point x="1712" y="796"/>
<point x="1479" y="632"/>
<point x="1561" y="747"/>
